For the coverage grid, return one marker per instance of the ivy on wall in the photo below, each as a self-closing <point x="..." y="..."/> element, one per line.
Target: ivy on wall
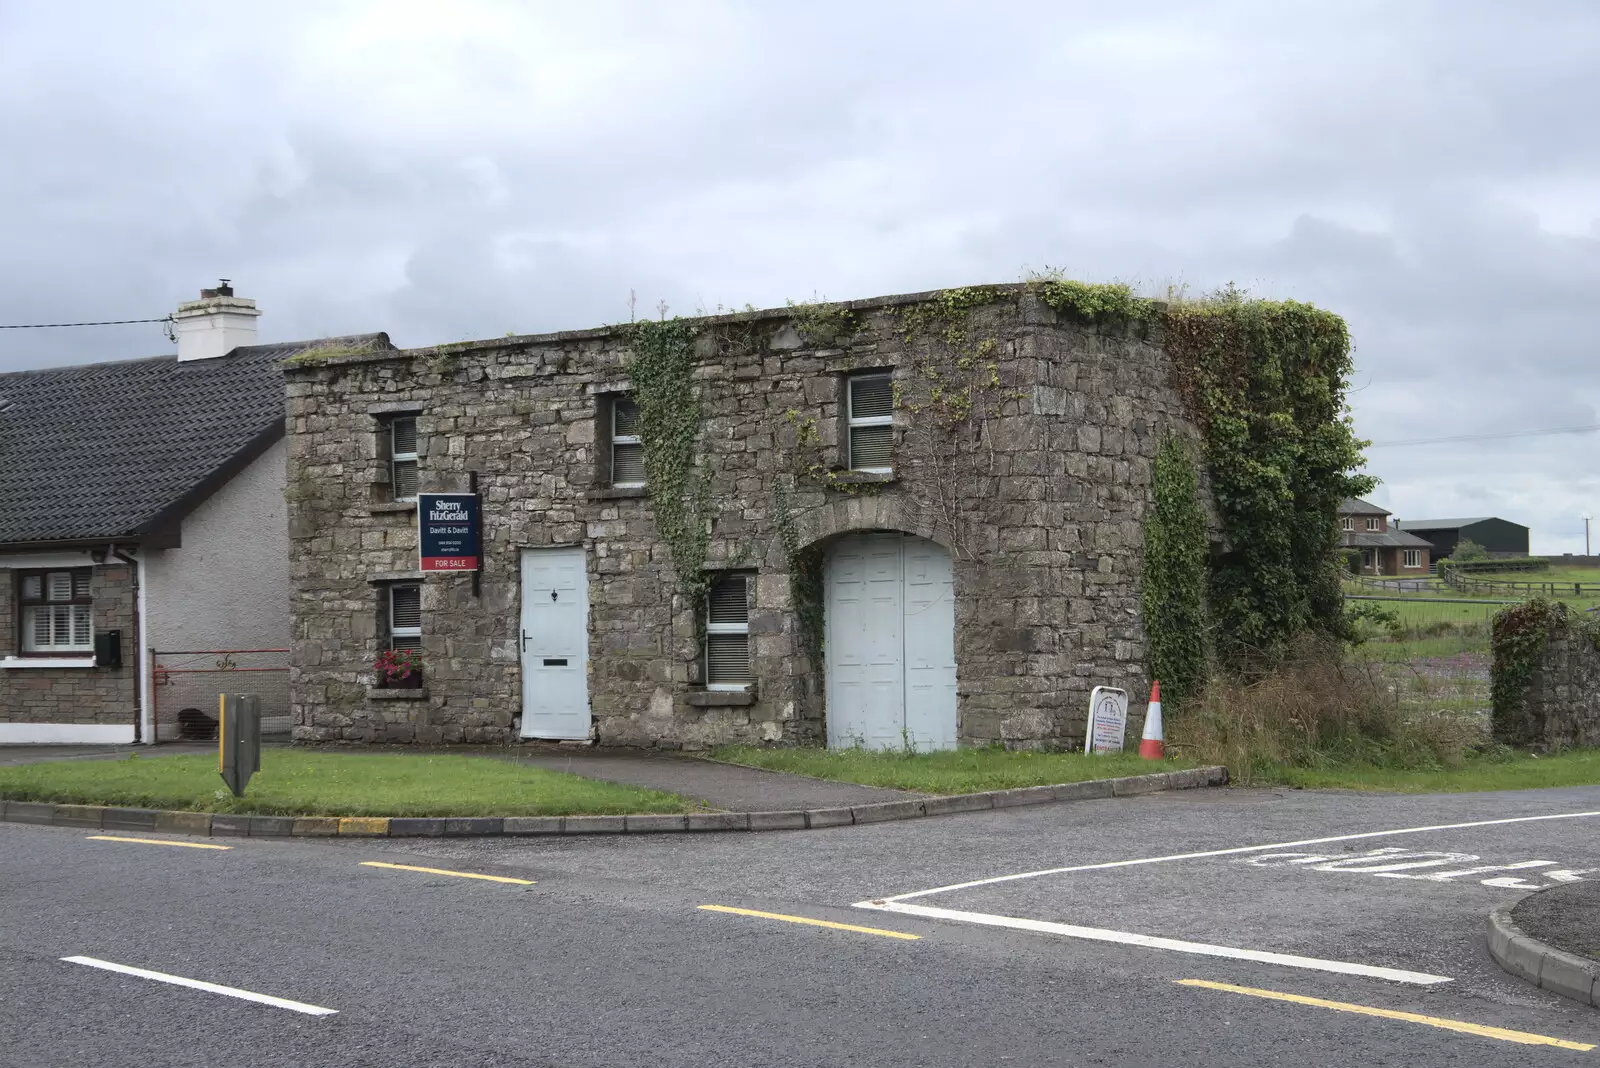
<point x="805" y="574"/>
<point x="950" y="393"/>
<point x="1173" y="595"/>
<point x="1517" y="637"/>
<point x="1264" y="381"/>
<point x="661" y="372"/>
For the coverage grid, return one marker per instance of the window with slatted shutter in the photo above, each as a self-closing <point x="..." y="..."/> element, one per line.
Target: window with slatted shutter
<point x="871" y="422"/>
<point x="728" y="634"/>
<point x="405" y="616"/>
<point x="627" y="448"/>
<point x="57" y="611"/>
<point x="403" y="479"/>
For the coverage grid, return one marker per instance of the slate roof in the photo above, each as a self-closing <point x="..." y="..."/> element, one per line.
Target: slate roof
<point x="113" y="450"/>
<point x="1357" y="506"/>
<point x="1381" y="539"/>
<point x="1450" y="524"/>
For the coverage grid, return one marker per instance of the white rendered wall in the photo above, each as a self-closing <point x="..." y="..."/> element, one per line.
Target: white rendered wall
<point x="227" y="586"/>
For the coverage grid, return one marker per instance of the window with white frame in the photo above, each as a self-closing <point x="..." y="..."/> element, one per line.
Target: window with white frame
<point x="405" y="615"/>
<point x="870" y="417"/>
<point x="728" y="633"/>
<point x="1369" y="559"/>
<point x="403" y="457"/>
<point x="627" y="448"/>
<point x="1349" y="523"/>
<point x="1413" y="557"/>
<point x="57" y="612"/>
<point x="1374" y="523"/>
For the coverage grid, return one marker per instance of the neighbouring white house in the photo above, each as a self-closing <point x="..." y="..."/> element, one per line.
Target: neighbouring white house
<point x="144" y="564"/>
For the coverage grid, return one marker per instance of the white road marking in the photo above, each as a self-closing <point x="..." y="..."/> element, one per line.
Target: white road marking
<point x="1441" y="876"/>
<point x="1098" y="934"/>
<point x="879" y="902"/>
<point x="197" y="984"/>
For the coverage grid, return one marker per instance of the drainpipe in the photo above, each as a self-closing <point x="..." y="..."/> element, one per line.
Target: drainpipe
<point x="143" y="729"/>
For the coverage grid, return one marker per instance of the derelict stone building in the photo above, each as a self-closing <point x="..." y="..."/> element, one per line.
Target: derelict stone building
<point x="923" y="513"/>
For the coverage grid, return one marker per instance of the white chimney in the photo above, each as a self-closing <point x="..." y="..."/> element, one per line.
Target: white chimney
<point x="214" y="325"/>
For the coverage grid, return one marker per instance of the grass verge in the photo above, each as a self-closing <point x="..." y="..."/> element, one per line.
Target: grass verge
<point x="295" y="783"/>
<point x="952" y="771"/>
<point x="1514" y="771"/>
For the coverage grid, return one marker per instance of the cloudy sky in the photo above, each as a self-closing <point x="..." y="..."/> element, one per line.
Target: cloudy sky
<point x="449" y="171"/>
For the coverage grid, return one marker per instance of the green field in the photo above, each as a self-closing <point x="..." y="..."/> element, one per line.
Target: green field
<point x="298" y="783"/>
<point x="951" y="771"/>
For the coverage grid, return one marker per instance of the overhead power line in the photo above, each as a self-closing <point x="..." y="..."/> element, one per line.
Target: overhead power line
<point x="102" y="322"/>
<point x="1585" y="429"/>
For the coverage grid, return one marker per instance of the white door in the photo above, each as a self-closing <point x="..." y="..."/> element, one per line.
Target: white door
<point x="891" y="671"/>
<point x="555" y="644"/>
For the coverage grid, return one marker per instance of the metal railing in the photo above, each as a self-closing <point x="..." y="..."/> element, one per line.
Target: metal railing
<point x="187" y="684"/>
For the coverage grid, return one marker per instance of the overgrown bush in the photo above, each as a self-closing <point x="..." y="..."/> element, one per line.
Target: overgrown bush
<point x="1468" y="551"/>
<point x="1367" y="619"/>
<point x="1317" y="709"/>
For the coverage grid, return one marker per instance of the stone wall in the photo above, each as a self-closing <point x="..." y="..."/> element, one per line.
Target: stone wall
<point x="1561" y="706"/>
<point x="1041" y="511"/>
<point x="97" y="695"/>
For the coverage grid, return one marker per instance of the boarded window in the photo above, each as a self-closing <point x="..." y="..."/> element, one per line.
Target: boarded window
<point x="728" y="633"/>
<point x="403" y="457"/>
<point x="57" y="612"/>
<point x="627" y="449"/>
<point x="871" y="419"/>
<point x="405" y="616"/>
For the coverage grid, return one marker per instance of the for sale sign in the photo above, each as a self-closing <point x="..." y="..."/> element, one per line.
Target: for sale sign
<point x="449" y="531"/>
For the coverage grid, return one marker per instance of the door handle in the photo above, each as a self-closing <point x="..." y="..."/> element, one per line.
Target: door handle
<point x="524" y="641"/>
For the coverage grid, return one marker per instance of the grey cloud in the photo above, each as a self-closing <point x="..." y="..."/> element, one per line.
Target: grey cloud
<point x="498" y="167"/>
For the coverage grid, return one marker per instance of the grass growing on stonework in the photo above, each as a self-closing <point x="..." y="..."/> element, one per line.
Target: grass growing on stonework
<point x="297" y="783"/>
<point x="951" y="771"/>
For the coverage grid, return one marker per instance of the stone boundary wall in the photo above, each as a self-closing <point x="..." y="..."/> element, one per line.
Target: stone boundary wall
<point x="1561" y="706"/>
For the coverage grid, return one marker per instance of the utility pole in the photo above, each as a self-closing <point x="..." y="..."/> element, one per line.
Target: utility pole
<point x="1586" y="535"/>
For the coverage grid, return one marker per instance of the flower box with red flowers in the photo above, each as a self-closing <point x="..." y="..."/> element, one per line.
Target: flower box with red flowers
<point x="399" y="669"/>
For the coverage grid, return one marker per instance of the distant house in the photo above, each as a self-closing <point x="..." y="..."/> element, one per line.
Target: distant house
<point x="144" y="510"/>
<point x="1384" y="550"/>
<point x="1500" y="537"/>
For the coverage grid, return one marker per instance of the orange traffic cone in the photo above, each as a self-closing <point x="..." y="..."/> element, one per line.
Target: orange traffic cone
<point x="1150" y="745"/>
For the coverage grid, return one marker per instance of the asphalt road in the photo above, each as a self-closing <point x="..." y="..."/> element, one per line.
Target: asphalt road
<point x="609" y="958"/>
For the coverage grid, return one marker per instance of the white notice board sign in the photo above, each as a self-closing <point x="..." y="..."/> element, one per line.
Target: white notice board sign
<point x="1108" y="720"/>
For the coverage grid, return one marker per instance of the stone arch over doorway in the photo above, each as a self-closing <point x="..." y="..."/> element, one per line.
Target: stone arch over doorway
<point x="853" y="515"/>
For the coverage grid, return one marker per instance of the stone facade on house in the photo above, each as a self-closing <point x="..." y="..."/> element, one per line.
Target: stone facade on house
<point x="93" y="694"/>
<point x="1037" y="501"/>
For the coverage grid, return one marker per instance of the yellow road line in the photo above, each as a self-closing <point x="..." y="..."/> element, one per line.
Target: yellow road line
<point x="1524" y="1037"/>
<point x="154" y="841"/>
<point x="446" y="871"/>
<point x="811" y="922"/>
